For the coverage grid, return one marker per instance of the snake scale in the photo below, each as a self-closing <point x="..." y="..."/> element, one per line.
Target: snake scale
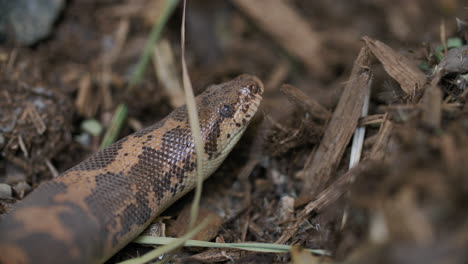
<point x="97" y="207"/>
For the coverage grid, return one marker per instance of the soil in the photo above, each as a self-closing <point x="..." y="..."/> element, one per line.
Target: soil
<point x="288" y="180"/>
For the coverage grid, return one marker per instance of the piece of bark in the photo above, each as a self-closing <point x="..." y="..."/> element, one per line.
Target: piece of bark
<point x="432" y="104"/>
<point x="305" y="102"/>
<point x="35" y="118"/>
<point x="322" y="163"/>
<point x="380" y="146"/>
<point x="84" y="102"/>
<point x="400" y="68"/>
<point x="290" y="30"/>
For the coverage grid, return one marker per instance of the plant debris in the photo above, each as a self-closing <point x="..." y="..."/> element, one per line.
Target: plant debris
<point x="288" y="180"/>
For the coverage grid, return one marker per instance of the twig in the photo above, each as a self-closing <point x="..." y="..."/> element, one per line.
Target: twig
<point x="305" y="102"/>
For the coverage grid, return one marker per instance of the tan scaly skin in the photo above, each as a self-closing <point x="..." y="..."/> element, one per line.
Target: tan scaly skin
<point x="97" y="207"/>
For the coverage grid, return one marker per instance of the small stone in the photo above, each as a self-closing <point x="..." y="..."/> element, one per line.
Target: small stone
<point x="5" y="191"/>
<point x="286" y="209"/>
<point x="456" y="60"/>
<point x="28" y="21"/>
<point x="92" y="126"/>
<point x="21" y="189"/>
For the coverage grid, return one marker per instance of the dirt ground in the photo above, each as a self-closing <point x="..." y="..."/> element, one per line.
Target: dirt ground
<point x="288" y="180"/>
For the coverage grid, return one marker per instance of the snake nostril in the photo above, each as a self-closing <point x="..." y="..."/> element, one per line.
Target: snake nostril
<point x="254" y="88"/>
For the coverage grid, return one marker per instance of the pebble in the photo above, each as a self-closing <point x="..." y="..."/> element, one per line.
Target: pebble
<point x="5" y="191"/>
<point x="28" y="21"/>
<point x="21" y="189"/>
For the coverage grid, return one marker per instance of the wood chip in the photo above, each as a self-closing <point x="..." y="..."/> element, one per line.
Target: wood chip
<point x="432" y="104"/>
<point x="380" y="146"/>
<point x="400" y="68"/>
<point x="279" y="19"/>
<point x="321" y="164"/>
<point x="305" y="102"/>
<point x="35" y="119"/>
<point x="23" y="146"/>
<point x="219" y="255"/>
<point x="84" y="103"/>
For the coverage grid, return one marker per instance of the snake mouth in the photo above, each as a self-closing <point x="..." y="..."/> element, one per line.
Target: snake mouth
<point x="255" y="105"/>
<point x="256" y="89"/>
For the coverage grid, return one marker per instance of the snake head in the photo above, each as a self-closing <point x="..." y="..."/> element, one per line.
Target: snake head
<point x="225" y="111"/>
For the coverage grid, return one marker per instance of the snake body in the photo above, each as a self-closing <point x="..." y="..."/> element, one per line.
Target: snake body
<point x="95" y="208"/>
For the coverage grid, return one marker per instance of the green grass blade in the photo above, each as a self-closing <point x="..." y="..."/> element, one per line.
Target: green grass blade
<point x="174" y="244"/>
<point x="116" y="124"/>
<point x="155" y="35"/>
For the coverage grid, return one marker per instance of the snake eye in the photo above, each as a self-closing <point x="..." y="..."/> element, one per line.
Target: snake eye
<point x="226" y="110"/>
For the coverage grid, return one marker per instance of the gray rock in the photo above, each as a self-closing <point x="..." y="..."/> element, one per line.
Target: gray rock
<point x="5" y="191"/>
<point x="456" y="60"/>
<point x="21" y="189"/>
<point x="28" y="21"/>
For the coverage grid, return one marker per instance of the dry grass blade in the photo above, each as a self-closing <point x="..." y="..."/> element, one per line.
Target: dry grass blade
<point x="196" y="134"/>
<point x="194" y="126"/>
<point x="249" y="246"/>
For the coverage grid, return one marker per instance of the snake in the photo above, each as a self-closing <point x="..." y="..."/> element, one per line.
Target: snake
<point x="91" y="211"/>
